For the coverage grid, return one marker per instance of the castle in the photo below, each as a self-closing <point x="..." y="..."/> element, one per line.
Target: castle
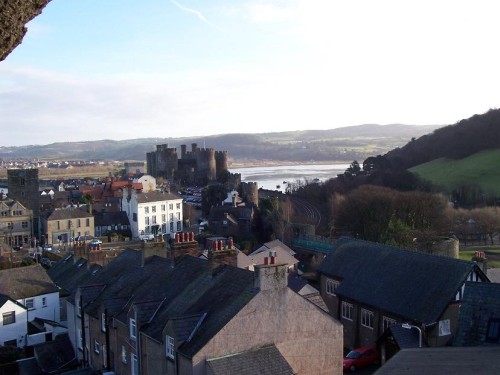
<point x="198" y="166"/>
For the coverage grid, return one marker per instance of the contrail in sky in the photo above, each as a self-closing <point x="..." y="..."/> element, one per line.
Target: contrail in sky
<point x="197" y="13"/>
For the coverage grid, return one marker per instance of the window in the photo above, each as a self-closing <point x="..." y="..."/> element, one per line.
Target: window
<point x="78" y="223"/>
<point x="80" y="339"/>
<point x="104" y="356"/>
<point x="171" y="206"/>
<point x="367" y="318"/>
<point x="87" y="222"/>
<point x="444" y="327"/>
<point x="69" y="224"/>
<point x="96" y="346"/>
<point x="103" y="322"/>
<point x="134" y="217"/>
<point x="9" y="317"/>
<point x="347" y="310"/>
<point x="153" y="220"/>
<point x="29" y="303"/>
<point x="387" y="322"/>
<point x="146" y="220"/>
<point x="170" y="347"/>
<point x="493" y="332"/>
<point x="331" y="285"/>
<point x="178" y="206"/>
<point x="146" y="210"/>
<point x="178" y="214"/>
<point x="58" y="224"/>
<point x="171" y="216"/>
<point x="163" y="207"/>
<point x="24" y="224"/>
<point x="132" y="329"/>
<point x="44" y="301"/>
<point x="153" y="209"/>
<point x="124" y="354"/>
<point x="134" y="368"/>
<point x="179" y="226"/>
<point x="163" y="218"/>
<point x="171" y="227"/>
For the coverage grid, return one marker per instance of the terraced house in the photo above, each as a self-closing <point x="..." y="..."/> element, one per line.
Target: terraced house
<point x="148" y="315"/>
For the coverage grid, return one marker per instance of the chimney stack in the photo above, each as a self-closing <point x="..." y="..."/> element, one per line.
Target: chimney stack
<point x="270" y="276"/>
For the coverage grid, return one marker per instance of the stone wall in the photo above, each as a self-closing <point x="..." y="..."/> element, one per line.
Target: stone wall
<point x="14" y="15"/>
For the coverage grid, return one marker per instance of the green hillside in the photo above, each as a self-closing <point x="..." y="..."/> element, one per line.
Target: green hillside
<point x="479" y="169"/>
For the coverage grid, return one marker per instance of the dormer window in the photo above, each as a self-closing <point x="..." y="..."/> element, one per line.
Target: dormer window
<point x="170" y="350"/>
<point x="103" y="322"/>
<point x="133" y="329"/>
<point x="331" y="286"/>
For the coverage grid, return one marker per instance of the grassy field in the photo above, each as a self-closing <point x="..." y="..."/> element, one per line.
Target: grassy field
<point x="480" y="169"/>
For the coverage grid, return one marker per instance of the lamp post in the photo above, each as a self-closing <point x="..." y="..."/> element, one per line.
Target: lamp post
<point x="410" y="326"/>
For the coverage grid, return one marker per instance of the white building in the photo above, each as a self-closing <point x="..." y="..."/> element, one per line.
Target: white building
<point x="155" y="212"/>
<point x="38" y="297"/>
<point x="13" y="327"/>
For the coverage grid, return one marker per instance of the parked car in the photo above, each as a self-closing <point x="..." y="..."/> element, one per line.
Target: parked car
<point x="47" y="247"/>
<point x="147" y="236"/>
<point x="361" y="357"/>
<point x="17" y="247"/>
<point x="95" y="241"/>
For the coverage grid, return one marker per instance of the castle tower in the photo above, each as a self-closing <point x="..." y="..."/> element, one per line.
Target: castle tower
<point x="205" y="163"/>
<point x="163" y="162"/>
<point x="250" y="192"/>
<point x="220" y="163"/>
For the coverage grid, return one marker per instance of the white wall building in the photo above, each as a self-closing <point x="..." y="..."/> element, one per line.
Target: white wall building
<point x="13" y="326"/>
<point x="156" y="212"/>
<point x="35" y="295"/>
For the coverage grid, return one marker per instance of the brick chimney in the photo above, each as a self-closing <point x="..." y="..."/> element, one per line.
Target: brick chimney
<point x="184" y="244"/>
<point x="149" y="249"/>
<point x="271" y="275"/>
<point x="480" y="259"/>
<point x="220" y="253"/>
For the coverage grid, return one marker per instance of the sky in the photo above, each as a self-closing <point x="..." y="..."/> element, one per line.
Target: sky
<point x="124" y="69"/>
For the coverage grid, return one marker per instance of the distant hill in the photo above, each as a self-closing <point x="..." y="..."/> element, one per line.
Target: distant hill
<point x="341" y="144"/>
<point x="465" y="138"/>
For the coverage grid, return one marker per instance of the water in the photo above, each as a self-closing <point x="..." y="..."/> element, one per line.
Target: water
<point x="270" y="177"/>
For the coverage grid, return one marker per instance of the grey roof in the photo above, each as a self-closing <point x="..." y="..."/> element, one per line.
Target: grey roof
<point x="444" y="360"/>
<point x="494" y="275"/>
<point x="25" y="282"/>
<point x="156" y="196"/>
<point x="68" y="213"/>
<point x="404" y="338"/>
<point x="195" y="301"/>
<point x="69" y="273"/>
<point x="410" y="284"/>
<point x="481" y="302"/>
<point x="263" y="361"/>
<point x="56" y="355"/>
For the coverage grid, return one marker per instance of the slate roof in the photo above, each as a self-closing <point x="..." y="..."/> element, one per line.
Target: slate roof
<point x="404" y="338"/>
<point x="55" y="355"/>
<point x="444" y="360"/>
<point x="191" y="289"/>
<point x="69" y="213"/>
<point x="156" y="196"/>
<point x="182" y="296"/>
<point x="25" y="282"/>
<point x="69" y="273"/>
<point x="480" y="303"/>
<point x="413" y="285"/>
<point x="263" y="361"/>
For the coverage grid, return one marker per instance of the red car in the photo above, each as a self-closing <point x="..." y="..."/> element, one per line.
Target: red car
<point x="361" y="357"/>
